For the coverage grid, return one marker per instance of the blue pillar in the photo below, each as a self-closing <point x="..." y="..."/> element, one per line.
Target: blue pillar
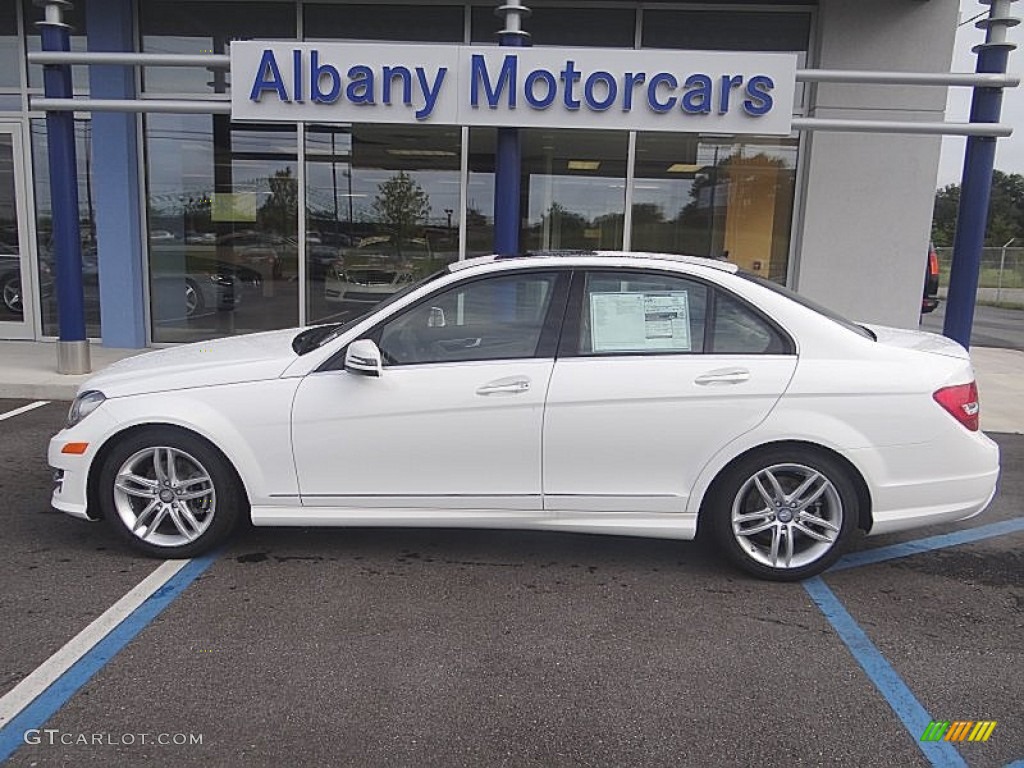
<point x="72" y="345"/>
<point x="115" y="183"/>
<point x="508" y="154"/>
<point x="976" y="182"/>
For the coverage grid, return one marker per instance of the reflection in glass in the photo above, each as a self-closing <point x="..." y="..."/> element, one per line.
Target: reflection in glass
<point x="382" y="210"/>
<point x="44" y="227"/>
<point x="223" y="224"/>
<point x="12" y="307"/>
<point x="573" y="190"/>
<point x="723" y="198"/>
<point x="10" y="58"/>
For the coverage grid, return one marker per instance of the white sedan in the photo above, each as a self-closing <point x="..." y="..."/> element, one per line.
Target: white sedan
<point x="630" y="394"/>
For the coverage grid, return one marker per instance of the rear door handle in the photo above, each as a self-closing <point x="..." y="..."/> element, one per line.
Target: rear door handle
<point x="513" y="385"/>
<point x="722" y="376"/>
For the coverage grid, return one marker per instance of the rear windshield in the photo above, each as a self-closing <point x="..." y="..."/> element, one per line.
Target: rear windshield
<point x="805" y="302"/>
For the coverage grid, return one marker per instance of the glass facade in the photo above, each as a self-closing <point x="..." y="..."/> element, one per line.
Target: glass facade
<point x="255" y="227"/>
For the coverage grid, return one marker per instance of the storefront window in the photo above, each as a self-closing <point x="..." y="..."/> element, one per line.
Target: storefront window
<point x="205" y="26"/>
<point x="584" y="27"/>
<point x="406" y="23"/>
<point x="382" y="210"/>
<point x="708" y="30"/>
<point x="44" y="227"/>
<point x="722" y="198"/>
<point x="223" y="225"/>
<point x="10" y="58"/>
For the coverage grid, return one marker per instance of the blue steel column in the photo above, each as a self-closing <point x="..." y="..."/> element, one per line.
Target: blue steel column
<point x="976" y="182"/>
<point x="508" y="154"/>
<point x="73" y="345"/>
<point x="115" y="185"/>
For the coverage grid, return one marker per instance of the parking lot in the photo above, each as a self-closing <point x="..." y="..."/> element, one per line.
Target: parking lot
<point x="386" y="647"/>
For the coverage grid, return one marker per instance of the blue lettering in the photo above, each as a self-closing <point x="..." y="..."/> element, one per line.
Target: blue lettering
<point x="652" y="91"/>
<point x="760" y="101"/>
<point x="728" y="83"/>
<point x="630" y="82"/>
<point x="611" y="88"/>
<point x="297" y="74"/>
<point x="570" y="77"/>
<point x="263" y="82"/>
<point x="316" y="73"/>
<point x="697" y="99"/>
<point x="479" y="75"/>
<point x="530" y="93"/>
<point x="388" y="75"/>
<point x="430" y="92"/>
<point x="360" y="85"/>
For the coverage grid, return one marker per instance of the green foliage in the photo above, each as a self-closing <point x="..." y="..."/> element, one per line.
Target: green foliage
<point x="1005" y="212"/>
<point x="401" y="206"/>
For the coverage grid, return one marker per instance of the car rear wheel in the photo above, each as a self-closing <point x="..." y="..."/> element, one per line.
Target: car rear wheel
<point x="785" y="513"/>
<point x="170" y="493"/>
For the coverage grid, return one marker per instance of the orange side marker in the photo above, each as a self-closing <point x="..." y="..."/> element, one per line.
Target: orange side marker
<point x="76" y="449"/>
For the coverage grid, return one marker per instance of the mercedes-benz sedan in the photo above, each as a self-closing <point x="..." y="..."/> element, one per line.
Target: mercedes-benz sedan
<point x="629" y="394"/>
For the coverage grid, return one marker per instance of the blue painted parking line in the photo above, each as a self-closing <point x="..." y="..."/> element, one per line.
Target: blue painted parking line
<point x="895" y="551"/>
<point x="46" y="705"/>
<point x="903" y="702"/>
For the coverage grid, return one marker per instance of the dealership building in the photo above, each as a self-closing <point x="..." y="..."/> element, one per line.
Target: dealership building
<point x="345" y="149"/>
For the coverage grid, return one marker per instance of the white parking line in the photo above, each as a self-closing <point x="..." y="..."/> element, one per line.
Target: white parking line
<point x="25" y="692"/>
<point x="24" y="409"/>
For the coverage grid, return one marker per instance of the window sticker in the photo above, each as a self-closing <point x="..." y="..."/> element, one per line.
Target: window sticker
<point x="640" y="322"/>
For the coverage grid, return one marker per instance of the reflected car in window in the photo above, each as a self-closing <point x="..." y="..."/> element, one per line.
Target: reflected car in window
<point x="625" y="394"/>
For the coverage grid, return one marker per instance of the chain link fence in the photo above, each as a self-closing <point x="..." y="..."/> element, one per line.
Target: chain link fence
<point x="1001" y="280"/>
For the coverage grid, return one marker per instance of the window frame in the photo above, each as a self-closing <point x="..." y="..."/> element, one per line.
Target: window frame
<point x="568" y="345"/>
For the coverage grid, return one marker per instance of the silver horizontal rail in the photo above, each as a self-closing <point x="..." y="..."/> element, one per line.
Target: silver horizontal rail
<point x="223" y="61"/>
<point x="996" y="130"/>
<point x="177" y="106"/>
<point x="865" y="77"/>
<point x="214" y="60"/>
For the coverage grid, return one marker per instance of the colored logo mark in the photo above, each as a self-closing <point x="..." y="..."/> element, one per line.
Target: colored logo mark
<point x="958" y="730"/>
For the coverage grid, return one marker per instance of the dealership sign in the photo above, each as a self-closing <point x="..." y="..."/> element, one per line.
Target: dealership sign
<point x="647" y="90"/>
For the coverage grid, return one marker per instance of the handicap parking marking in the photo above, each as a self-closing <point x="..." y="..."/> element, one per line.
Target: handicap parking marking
<point x="929" y="544"/>
<point x="888" y="682"/>
<point x="40" y="695"/>
<point x="24" y="409"/>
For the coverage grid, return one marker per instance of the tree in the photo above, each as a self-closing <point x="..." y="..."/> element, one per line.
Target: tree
<point x="1005" y="211"/>
<point x="280" y="212"/>
<point x="401" y="207"/>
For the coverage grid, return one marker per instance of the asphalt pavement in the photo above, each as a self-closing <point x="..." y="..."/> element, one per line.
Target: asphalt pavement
<point x="376" y="647"/>
<point x="993" y="326"/>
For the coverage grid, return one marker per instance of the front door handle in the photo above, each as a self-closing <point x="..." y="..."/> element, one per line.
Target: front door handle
<point x="723" y="376"/>
<point x="513" y="385"/>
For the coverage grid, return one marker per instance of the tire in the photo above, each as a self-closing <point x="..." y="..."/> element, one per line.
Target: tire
<point x="169" y="493"/>
<point x="10" y="294"/>
<point x="194" y="301"/>
<point x="787" y="538"/>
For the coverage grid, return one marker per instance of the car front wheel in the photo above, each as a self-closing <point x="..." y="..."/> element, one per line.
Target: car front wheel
<point x="784" y="514"/>
<point x="169" y="493"/>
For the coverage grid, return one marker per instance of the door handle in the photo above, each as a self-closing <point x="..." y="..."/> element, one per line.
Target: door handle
<point x="513" y="385"/>
<point x="723" y="376"/>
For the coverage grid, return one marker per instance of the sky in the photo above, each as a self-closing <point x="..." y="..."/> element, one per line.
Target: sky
<point x="1009" y="151"/>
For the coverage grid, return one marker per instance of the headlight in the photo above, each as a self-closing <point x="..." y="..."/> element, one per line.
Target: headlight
<point x="84" y="404"/>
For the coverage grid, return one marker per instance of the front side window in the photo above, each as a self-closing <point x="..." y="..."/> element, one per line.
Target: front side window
<point x="490" y="319"/>
<point x="633" y="313"/>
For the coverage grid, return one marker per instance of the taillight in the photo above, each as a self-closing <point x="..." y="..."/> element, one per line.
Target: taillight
<point x="961" y="401"/>
<point x="933" y="263"/>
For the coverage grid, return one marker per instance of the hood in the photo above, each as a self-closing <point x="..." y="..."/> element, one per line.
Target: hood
<point x="918" y="340"/>
<point x="230" y="360"/>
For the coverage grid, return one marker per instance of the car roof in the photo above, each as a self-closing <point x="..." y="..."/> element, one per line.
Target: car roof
<point x="676" y="258"/>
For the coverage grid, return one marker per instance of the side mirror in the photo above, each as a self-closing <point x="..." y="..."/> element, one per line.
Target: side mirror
<point x="364" y="358"/>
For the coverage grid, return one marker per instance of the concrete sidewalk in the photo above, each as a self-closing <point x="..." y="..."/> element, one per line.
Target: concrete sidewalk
<point x="29" y="370"/>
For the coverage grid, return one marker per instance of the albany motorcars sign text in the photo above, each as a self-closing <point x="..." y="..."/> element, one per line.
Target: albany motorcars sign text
<point x="648" y="90"/>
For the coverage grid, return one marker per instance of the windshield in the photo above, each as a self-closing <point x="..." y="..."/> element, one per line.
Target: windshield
<point x="805" y="302"/>
<point x="315" y="337"/>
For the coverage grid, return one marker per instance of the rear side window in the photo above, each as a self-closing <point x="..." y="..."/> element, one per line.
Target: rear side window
<point x="738" y="330"/>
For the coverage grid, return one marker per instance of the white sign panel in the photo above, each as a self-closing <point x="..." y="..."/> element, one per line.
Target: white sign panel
<point x="640" y="322"/>
<point x="646" y="90"/>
